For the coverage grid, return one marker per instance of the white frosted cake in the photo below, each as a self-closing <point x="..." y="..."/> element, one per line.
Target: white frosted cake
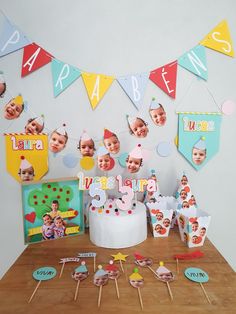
<point x="113" y="228"/>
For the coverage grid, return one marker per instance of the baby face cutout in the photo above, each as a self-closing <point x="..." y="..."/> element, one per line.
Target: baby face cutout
<point x="12" y="111"/>
<point x="158" y="116"/>
<point x="104" y="162"/>
<point x="198" y="155"/>
<point x="57" y="142"/>
<point x="133" y="164"/>
<point x="27" y="174"/>
<point x="87" y="148"/>
<point x="33" y="127"/>
<point x="112" y="144"/>
<point x="139" y="128"/>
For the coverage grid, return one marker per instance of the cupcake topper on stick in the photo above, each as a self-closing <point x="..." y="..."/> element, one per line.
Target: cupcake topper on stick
<point x="120" y="257"/>
<point x="89" y="254"/>
<point x="80" y="273"/>
<point x="136" y="281"/>
<point x="143" y="261"/>
<point x="113" y="273"/>
<point x="100" y="279"/>
<point x="65" y="260"/>
<point x="165" y="275"/>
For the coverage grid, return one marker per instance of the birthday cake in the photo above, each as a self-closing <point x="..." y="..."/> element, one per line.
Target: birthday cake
<point x="110" y="227"/>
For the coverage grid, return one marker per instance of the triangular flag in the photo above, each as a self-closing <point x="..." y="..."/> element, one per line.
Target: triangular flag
<point x="194" y="60"/>
<point x="219" y="39"/>
<point x="63" y="75"/>
<point x="34" y="57"/>
<point x="165" y="78"/>
<point x="134" y="86"/>
<point x="11" y="39"/>
<point x="96" y="86"/>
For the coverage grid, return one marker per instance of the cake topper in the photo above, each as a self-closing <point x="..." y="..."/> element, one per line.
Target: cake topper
<point x="165" y="275"/>
<point x="80" y="273"/>
<point x="187" y="256"/>
<point x="136" y="281"/>
<point x="143" y="261"/>
<point x="120" y="257"/>
<point x="100" y="279"/>
<point x="113" y="274"/>
<point x="89" y="254"/>
<point x="65" y="260"/>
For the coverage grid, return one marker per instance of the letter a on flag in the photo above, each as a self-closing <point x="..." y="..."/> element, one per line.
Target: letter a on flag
<point x="11" y="38"/>
<point x="219" y="39"/>
<point x="34" y="57"/>
<point x="165" y="78"/>
<point x="96" y="86"/>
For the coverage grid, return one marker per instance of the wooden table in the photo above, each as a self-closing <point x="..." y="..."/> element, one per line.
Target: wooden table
<point x="56" y="295"/>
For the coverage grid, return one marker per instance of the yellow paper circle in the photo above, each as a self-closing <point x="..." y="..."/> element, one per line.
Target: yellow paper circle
<point x="176" y="140"/>
<point x="87" y="163"/>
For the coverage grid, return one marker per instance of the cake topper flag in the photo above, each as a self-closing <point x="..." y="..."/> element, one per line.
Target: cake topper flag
<point x="199" y="136"/>
<point x="65" y="260"/>
<point x="42" y="274"/>
<point x="96" y="86"/>
<point x="79" y="274"/>
<point x="120" y="257"/>
<point x="187" y="256"/>
<point x="194" y="61"/>
<point x="198" y="275"/>
<point x="89" y="254"/>
<point x="113" y="274"/>
<point x="34" y="57"/>
<point x="63" y="75"/>
<point x="165" y="78"/>
<point x="136" y="281"/>
<point x="165" y="275"/>
<point x="134" y="86"/>
<point x="12" y="38"/>
<point x="219" y="39"/>
<point x="100" y="279"/>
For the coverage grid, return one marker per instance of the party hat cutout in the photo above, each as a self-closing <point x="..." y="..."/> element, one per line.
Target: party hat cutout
<point x="96" y="86"/>
<point x="219" y="39"/>
<point x="154" y="104"/>
<point x="131" y="119"/>
<point x="82" y="268"/>
<point x="102" y="151"/>
<point x="18" y="100"/>
<point x="40" y="120"/>
<point x="136" y="152"/>
<point x="84" y="136"/>
<point x="63" y="75"/>
<point x="135" y="275"/>
<point x="25" y="164"/>
<point x="107" y="134"/>
<point x="201" y="144"/>
<point x="61" y="130"/>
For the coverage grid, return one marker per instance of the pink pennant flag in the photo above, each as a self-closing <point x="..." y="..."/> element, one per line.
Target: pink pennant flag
<point x="165" y="78"/>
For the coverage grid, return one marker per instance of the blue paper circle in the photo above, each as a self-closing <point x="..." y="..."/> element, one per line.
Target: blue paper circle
<point x="122" y="159"/>
<point x="70" y="160"/>
<point x="44" y="273"/>
<point x="164" y="149"/>
<point x="196" y="274"/>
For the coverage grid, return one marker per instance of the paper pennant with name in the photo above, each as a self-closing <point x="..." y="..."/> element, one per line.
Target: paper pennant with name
<point x="165" y="78"/>
<point x="26" y="156"/>
<point x="194" y="61"/>
<point x="219" y="39"/>
<point x="34" y="57"/>
<point x="134" y="86"/>
<point x="63" y="76"/>
<point x="96" y="86"/>
<point x="11" y="38"/>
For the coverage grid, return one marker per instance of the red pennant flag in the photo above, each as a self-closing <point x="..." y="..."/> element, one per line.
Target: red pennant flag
<point x="165" y="78"/>
<point x="34" y="57"/>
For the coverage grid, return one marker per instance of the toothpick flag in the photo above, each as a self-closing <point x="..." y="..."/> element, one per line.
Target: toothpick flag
<point x="219" y="39"/>
<point x="63" y="75"/>
<point x="194" y="61"/>
<point x="34" y="57"/>
<point x="11" y="38"/>
<point x="96" y="86"/>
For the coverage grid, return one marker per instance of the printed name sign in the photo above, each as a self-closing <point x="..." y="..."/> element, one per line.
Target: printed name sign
<point x="196" y="274"/>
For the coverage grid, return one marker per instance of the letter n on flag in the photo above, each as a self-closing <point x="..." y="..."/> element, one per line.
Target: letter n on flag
<point x="165" y="78"/>
<point x="34" y="57"/>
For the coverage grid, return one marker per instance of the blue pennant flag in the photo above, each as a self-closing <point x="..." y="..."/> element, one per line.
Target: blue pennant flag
<point x="11" y="38"/>
<point x="63" y="76"/>
<point x="194" y="61"/>
<point x="134" y="86"/>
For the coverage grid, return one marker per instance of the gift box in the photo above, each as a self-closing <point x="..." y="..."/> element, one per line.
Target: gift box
<point x="193" y="226"/>
<point x="161" y="212"/>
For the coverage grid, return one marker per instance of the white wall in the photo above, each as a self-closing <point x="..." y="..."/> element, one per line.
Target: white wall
<point x="118" y="38"/>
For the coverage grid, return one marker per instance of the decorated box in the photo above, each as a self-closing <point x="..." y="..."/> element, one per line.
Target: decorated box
<point x="52" y="209"/>
<point x="193" y="225"/>
<point x="161" y="213"/>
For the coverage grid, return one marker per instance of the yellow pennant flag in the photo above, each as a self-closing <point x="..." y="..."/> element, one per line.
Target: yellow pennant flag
<point x="96" y="86"/>
<point x="219" y="39"/>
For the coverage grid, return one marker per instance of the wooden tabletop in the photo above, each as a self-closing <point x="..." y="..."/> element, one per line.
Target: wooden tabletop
<point x="57" y="295"/>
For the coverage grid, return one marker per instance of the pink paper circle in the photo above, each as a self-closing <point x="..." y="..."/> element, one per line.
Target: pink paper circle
<point x="228" y="107"/>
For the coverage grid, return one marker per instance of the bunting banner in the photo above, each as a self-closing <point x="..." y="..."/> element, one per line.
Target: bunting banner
<point x="63" y="75"/>
<point x="26" y="156"/>
<point x="195" y="61"/>
<point x="34" y="57"/>
<point x="199" y="136"/>
<point x="165" y="78"/>
<point x="96" y="86"/>
<point x="219" y="39"/>
<point x="11" y="38"/>
<point x="134" y="86"/>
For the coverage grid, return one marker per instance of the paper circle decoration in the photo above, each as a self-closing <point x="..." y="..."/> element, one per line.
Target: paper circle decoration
<point x="176" y="140"/>
<point x="112" y="163"/>
<point x="122" y="159"/>
<point x="196" y="274"/>
<point x="228" y="107"/>
<point x="44" y="273"/>
<point x="164" y="149"/>
<point x="87" y="163"/>
<point x="70" y="160"/>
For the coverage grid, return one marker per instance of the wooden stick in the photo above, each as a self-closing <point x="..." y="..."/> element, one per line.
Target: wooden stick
<point x="177" y="265"/>
<point x="121" y="266"/>
<point x="169" y="290"/>
<point x="206" y="295"/>
<point x="62" y="268"/>
<point x="117" y="289"/>
<point x="94" y="264"/>
<point x="152" y="270"/>
<point x="140" y="298"/>
<point x="99" y="296"/>
<point x="34" y="291"/>
<point x="76" y="290"/>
